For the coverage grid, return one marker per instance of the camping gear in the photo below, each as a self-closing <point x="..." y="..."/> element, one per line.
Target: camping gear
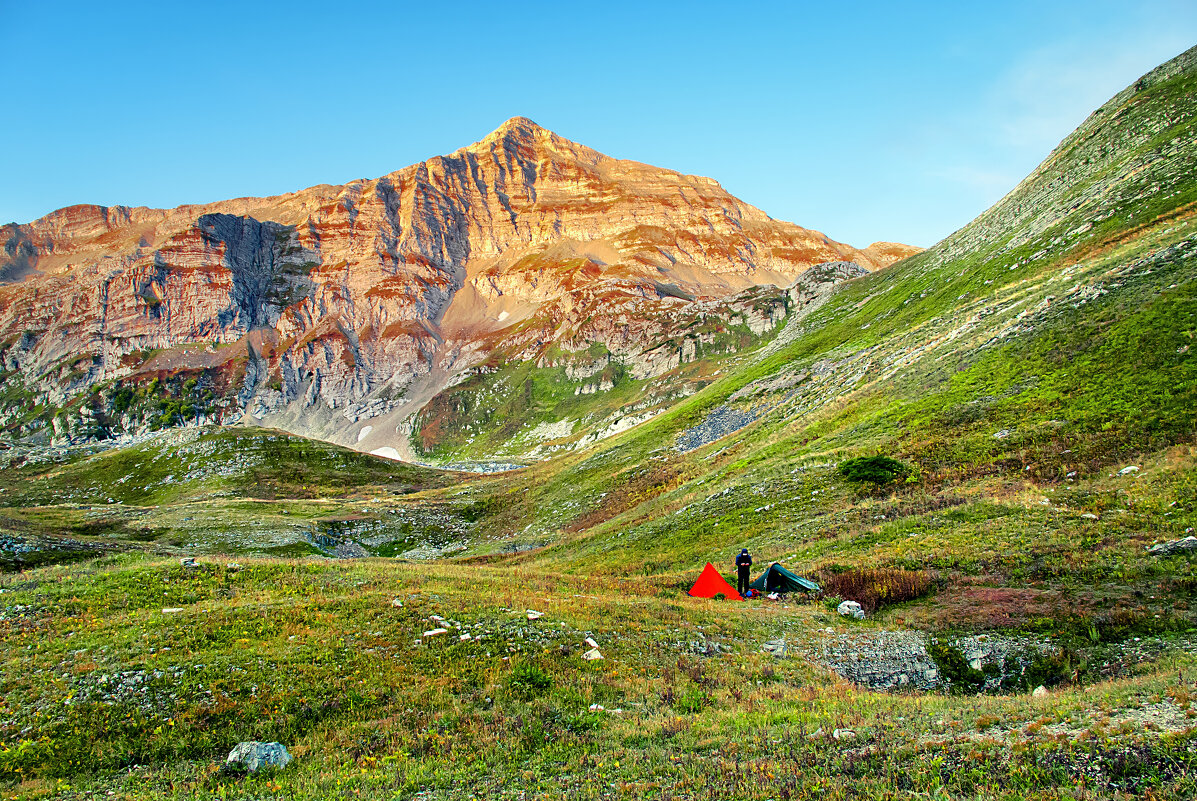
<point x="778" y="579"/>
<point x="710" y="583"/>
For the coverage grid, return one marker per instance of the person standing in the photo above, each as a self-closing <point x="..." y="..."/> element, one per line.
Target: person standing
<point x="743" y="564"/>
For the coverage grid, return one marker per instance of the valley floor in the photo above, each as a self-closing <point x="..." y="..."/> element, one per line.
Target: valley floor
<point x="131" y="676"/>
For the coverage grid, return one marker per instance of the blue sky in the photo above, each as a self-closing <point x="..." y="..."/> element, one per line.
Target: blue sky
<point x="868" y="121"/>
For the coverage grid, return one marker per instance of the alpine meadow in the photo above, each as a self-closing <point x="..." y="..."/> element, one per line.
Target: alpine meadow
<point x="413" y="476"/>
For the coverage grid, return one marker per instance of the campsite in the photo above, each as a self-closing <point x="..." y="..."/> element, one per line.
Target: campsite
<point x="773" y="581"/>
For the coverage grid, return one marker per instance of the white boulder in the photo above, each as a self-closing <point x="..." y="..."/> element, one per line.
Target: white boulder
<point x="850" y="609"/>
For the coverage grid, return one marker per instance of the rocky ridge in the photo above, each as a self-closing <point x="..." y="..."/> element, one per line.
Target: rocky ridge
<point x="326" y="307"/>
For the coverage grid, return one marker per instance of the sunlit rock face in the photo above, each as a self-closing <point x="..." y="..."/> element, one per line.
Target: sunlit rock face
<point x="354" y="297"/>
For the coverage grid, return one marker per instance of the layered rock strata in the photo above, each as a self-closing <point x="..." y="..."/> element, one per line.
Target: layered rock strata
<point x="336" y="304"/>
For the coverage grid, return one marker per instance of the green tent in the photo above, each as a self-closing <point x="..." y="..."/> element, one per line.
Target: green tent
<point x="778" y="579"/>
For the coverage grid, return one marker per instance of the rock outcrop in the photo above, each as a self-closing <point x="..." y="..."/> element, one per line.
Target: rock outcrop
<point x="321" y="308"/>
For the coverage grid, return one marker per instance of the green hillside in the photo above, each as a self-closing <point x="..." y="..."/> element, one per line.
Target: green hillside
<point x="231" y="490"/>
<point x="1016" y="367"/>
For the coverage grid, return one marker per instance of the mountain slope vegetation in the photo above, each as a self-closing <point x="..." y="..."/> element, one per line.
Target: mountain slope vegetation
<point x="1049" y="350"/>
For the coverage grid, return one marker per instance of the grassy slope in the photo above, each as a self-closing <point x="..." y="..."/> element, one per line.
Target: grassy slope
<point x="106" y="692"/>
<point x="1077" y="358"/>
<point x="492" y="414"/>
<point x="233" y="490"/>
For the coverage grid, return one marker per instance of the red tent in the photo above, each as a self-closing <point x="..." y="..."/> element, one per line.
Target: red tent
<point x="710" y="583"/>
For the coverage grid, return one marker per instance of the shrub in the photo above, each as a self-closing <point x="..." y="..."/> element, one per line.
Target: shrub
<point x="1123" y="621"/>
<point x="692" y="701"/>
<point x="955" y="669"/>
<point x="528" y="679"/>
<point x="1044" y="668"/>
<point x="873" y="469"/>
<point x="873" y="589"/>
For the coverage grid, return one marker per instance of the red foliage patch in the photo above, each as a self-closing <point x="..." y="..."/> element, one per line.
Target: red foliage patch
<point x="873" y="589"/>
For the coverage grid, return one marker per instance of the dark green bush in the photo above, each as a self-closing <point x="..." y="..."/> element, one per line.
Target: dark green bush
<point x="1045" y="669"/>
<point x="873" y="469"/>
<point x="954" y="668"/>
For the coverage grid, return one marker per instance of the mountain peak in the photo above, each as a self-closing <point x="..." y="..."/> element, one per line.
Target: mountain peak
<point x="520" y="124"/>
<point x="519" y="129"/>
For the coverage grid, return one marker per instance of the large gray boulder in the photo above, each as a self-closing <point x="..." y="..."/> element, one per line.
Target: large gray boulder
<point x="254" y="755"/>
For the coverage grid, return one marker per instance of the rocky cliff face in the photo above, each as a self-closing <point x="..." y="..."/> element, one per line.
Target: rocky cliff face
<point x="335" y="304"/>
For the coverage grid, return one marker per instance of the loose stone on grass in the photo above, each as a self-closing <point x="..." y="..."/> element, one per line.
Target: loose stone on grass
<point x="253" y="755"/>
<point x="1173" y="546"/>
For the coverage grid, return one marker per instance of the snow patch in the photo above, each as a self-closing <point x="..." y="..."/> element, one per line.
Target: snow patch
<point x="386" y="453"/>
<point x="365" y="432"/>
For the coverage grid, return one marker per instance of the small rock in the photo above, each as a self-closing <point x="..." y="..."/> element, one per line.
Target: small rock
<point x="596" y="707"/>
<point x="1126" y="471"/>
<point x="1090" y="516"/>
<point x="1174" y="546"/>
<point x="171" y="610"/>
<point x="464" y="637"/>
<point x="843" y="734"/>
<point x="396" y="602"/>
<point x="1039" y="692"/>
<point x="254" y="755"/>
<point x="590" y="641"/>
<point x="233" y="566"/>
<point x="829" y="630"/>
<point x="434" y="632"/>
<point x="188" y="562"/>
<point x="592" y="654"/>
<point x="850" y="609"/>
<point x="534" y="615"/>
<point x="775" y="647"/>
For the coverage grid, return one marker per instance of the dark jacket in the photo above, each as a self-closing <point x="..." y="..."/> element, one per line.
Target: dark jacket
<point x="744" y="561"/>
